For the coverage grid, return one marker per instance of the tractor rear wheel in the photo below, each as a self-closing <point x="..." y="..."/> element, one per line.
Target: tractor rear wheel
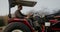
<point x="17" y="27"/>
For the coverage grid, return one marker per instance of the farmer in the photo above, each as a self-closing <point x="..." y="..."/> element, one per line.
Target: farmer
<point x="19" y="14"/>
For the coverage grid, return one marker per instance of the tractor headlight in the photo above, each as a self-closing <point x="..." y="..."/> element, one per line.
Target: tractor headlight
<point x="47" y="23"/>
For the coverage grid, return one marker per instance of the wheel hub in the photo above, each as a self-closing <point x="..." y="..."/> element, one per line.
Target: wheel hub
<point x="17" y="30"/>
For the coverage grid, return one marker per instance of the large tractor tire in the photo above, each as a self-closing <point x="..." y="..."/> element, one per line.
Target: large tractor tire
<point x="17" y="27"/>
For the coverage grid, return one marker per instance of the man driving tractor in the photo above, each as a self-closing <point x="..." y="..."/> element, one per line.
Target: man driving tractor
<point x="19" y="14"/>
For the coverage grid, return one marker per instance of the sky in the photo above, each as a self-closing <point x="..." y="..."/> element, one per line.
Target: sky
<point x="46" y="5"/>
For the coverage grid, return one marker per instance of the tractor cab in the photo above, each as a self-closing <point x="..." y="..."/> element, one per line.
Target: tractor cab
<point x="13" y="3"/>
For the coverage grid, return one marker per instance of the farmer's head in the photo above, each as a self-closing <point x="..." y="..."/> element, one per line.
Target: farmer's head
<point x="19" y="7"/>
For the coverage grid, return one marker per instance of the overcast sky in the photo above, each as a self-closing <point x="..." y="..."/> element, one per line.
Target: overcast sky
<point x="41" y="4"/>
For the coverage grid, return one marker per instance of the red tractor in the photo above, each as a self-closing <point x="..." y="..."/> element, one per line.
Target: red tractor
<point x="16" y="24"/>
<point x="38" y="23"/>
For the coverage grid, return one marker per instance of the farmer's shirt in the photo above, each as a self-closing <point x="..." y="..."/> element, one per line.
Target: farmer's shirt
<point x="19" y="14"/>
